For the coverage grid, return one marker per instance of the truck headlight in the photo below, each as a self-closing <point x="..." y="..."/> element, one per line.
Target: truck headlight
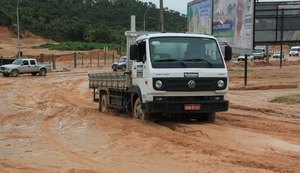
<point x="158" y="84"/>
<point x="220" y="84"/>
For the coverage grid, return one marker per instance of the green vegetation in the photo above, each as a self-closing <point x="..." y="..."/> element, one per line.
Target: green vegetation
<point x="101" y="21"/>
<point x="78" y="46"/>
<point x="290" y="99"/>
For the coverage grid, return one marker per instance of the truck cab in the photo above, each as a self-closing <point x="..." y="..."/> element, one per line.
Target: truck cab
<point x="179" y="74"/>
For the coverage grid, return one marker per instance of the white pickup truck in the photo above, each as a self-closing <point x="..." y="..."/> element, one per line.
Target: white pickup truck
<point x="25" y="65"/>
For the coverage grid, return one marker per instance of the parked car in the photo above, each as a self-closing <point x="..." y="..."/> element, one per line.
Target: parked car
<point x="294" y="51"/>
<point x="242" y="58"/>
<point x="24" y="65"/>
<point x="276" y="54"/>
<point x="259" y="53"/>
<point x="120" y="64"/>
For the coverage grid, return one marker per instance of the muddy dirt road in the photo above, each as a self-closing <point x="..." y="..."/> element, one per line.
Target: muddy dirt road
<point x="49" y="124"/>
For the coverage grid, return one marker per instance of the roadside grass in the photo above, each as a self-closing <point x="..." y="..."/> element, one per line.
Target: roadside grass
<point x="290" y="99"/>
<point x="77" y="46"/>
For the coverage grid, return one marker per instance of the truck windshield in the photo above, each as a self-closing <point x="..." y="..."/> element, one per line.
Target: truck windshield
<point x="257" y="50"/>
<point x="295" y="49"/>
<point x="185" y="52"/>
<point x="17" y="62"/>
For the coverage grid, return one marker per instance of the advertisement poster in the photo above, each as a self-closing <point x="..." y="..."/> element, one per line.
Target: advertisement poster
<point x="199" y="16"/>
<point x="233" y="22"/>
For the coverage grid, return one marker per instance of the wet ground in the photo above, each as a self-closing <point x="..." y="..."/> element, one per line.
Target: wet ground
<point x="50" y="124"/>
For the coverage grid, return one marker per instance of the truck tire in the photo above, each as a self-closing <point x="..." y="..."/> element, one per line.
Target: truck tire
<point x="138" y="111"/>
<point x="211" y="117"/>
<point x="123" y="68"/>
<point x="43" y="72"/>
<point x="103" y="104"/>
<point x="34" y="74"/>
<point x="14" y="73"/>
<point x="5" y="74"/>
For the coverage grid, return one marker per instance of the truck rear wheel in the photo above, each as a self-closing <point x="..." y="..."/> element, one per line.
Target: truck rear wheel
<point x="103" y="105"/>
<point x="43" y="72"/>
<point x="14" y="73"/>
<point x="138" y="111"/>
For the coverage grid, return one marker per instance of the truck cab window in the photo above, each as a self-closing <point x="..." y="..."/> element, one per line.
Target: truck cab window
<point x="25" y="62"/>
<point x="142" y="52"/>
<point x="32" y="62"/>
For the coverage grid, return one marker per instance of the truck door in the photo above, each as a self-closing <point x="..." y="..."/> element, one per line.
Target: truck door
<point x="24" y="66"/>
<point x="33" y="66"/>
<point x="138" y="66"/>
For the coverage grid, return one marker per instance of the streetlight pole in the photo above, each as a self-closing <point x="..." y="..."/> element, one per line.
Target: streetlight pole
<point x="145" y="18"/>
<point x="18" y="27"/>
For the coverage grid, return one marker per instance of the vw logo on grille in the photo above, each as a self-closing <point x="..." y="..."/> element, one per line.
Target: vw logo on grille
<point x="191" y="84"/>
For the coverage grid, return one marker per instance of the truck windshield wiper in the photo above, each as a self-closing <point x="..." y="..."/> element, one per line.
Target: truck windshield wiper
<point x="199" y="59"/>
<point x="171" y="60"/>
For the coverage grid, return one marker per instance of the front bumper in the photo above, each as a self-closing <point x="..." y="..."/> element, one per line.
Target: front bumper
<point x="176" y="106"/>
<point x="5" y="71"/>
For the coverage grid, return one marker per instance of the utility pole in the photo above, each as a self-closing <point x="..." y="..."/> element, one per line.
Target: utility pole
<point x="18" y="27"/>
<point x="145" y="18"/>
<point x="162" y="16"/>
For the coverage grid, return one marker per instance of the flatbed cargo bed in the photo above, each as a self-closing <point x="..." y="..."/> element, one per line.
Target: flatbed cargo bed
<point x="107" y="80"/>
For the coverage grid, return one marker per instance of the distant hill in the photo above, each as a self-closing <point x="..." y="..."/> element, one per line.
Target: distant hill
<point x="87" y="20"/>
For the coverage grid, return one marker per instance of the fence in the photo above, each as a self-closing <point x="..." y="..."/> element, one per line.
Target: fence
<point x="85" y="59"/>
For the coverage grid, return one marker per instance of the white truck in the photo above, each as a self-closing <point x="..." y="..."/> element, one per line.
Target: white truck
<point x="168" y="74"/>
<point x="163" y="78"/>
<point x="24" y="65"/>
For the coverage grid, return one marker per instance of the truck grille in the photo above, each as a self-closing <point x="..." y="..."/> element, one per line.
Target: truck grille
<point x="184" y="84"/>
<point x="2" y="68"/>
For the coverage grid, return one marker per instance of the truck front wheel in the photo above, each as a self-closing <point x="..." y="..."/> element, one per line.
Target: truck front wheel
<point x="211" y="117"/>
<point x="138" y="111"/>
<point x="207" y="117"/>
<point x="5" y="74"/>
<point x="43" y="72"/>
<point x="14" y="73"/>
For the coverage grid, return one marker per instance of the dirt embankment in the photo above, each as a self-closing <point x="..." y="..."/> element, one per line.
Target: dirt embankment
<point x="9" y="42"/>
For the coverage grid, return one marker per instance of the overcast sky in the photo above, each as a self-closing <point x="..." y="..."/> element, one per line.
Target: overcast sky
<point x="181" y="5"/>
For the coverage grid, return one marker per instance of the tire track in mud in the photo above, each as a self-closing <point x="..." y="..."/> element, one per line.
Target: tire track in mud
<point x="269" y="112"/>
<point x="66" y="150"/>
<point x="229" y="152"/>
<point x="68" y="109"/>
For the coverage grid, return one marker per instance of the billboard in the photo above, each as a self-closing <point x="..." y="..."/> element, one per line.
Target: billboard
<point x="233" y="22"/>
<point x="199" y="16"/>
<point x="275" y="21"/>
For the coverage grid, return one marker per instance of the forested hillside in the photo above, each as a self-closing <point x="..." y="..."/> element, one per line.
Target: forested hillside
<point x="86" y="20"/>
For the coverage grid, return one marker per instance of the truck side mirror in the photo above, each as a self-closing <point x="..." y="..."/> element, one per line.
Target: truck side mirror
<point x="134" y="52"/>
<point x="228" y="53"/>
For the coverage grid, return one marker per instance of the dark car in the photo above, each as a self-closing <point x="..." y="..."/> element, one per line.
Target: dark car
<point x="120" y="64"/>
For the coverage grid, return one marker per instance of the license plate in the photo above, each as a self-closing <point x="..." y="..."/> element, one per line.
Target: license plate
<point x="192" y="107"/>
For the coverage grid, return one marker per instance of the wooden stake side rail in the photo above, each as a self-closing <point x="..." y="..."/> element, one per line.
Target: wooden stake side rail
<point x="116" y="81"/>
